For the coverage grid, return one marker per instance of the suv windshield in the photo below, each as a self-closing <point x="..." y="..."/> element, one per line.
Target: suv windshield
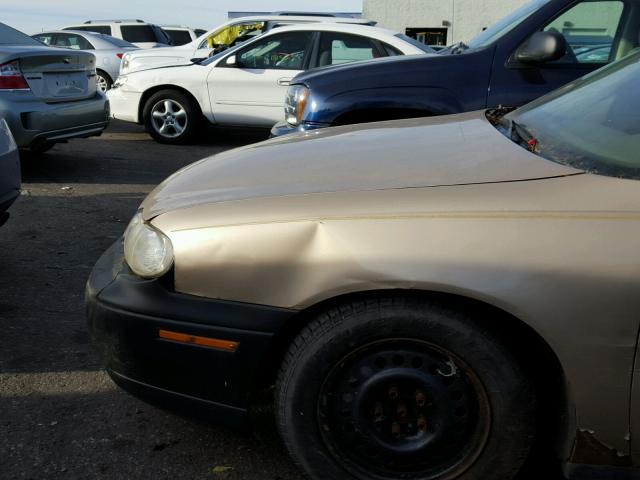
<point x="508" y="23"/>
<point x="592" y="124"/>
<point x="11" y="36"/>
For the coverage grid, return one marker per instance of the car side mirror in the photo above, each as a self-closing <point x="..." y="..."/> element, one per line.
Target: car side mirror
<point x="542" y="47"/>
<point x="198" y="59"/>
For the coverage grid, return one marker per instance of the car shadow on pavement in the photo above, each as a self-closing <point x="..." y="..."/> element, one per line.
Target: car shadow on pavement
<point x="93" y="430"/>
<point x="47" y="250"/>
<point x="126" y="154"/>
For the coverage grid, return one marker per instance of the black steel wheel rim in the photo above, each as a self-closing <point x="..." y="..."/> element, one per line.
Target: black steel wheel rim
<point x="403" y="408"/>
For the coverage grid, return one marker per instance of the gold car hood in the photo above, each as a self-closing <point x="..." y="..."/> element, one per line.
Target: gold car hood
<point x="428" y="152"/>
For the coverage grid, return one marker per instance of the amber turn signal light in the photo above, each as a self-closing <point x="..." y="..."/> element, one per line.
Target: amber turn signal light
<point x="218" y="344"/>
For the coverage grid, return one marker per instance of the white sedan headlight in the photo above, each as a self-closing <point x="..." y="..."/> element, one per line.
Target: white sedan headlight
<point x="295" y="104"/>
<point x="124" y="65"/>
<point x="148" y="252"/>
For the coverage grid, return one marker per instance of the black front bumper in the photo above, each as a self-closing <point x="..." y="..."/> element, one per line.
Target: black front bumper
<point x="125" y="314"/>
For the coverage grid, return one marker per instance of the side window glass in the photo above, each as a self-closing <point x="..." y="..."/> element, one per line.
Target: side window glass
<point x="391" y="51"/>
<point x="590" y="30"/>
<point x="62" y="40"/>
<point x="85" y="44"/>
<point x="338" y="48"/>
<point x="279" y="52"/>
<point x="138" y="33"/>
<point x="46" y="39"/>
<point x="75" y="42"/>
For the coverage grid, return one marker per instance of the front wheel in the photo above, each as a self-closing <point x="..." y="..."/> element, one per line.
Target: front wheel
<point x="402" y="388"/>
<point x="171" y="117"/>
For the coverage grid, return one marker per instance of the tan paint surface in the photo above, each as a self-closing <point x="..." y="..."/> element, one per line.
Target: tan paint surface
<point x="453" y="150"/>
<point x="559" y="253"/>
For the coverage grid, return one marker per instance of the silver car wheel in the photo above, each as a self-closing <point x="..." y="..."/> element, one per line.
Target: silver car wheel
<point x="102" y="83"/>
<point x="169" y="118"/>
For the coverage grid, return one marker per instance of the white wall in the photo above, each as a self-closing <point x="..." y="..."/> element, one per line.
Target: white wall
<point x="467" y="18"/>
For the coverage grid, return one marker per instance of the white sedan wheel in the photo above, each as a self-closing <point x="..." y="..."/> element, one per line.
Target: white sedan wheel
<point x="169" y="119"/>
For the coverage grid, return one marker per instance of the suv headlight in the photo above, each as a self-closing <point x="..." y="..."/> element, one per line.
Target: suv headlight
<point x="295" y="104"/>
<point x="148" y="252"/>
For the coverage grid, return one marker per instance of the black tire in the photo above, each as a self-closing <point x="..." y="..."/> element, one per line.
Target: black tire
<point x="179" y="128"/>
<point x="473" y="417"/>
<point x="103" y="81"/>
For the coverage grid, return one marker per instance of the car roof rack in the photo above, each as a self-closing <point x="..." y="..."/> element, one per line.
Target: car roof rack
<point x="127" y="20"/>
<point x="305" y="14"/>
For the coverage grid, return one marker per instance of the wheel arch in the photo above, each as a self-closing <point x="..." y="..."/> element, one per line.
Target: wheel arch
<point x="105" y="73"/>
<point x="555" y="415"/>
<point x="157" y="88"/>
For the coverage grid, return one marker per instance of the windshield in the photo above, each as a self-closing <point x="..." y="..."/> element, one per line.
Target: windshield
<point x="233" y="35"/>
<point x="415" y="43"/>
<point x="592" y="124"/>
<point x="508" y="23"/>
<point x="11" y="36"/>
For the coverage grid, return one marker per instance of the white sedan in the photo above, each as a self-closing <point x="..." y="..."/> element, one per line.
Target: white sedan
<point x="227" y="35"/>
<point x="246" y="85"/>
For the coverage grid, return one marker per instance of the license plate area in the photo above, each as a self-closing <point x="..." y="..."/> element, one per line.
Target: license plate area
<point x="66" y="85"/>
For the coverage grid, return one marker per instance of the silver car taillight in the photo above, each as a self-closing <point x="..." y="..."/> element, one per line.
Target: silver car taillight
<point x="11" y="77"/>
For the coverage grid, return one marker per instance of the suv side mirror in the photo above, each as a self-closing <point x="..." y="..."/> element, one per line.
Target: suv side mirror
<point x="542" y="47"/>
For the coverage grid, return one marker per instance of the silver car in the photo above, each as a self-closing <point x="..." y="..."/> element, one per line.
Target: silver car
<point x="107" y="49"/>
<point x="48" y="95"/>
<point x="9" y="171"/>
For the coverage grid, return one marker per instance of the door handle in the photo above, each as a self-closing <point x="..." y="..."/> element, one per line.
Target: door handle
<point x="284" y="82"/>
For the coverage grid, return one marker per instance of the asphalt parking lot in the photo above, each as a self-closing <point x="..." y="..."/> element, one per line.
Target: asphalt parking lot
<point x="60" y="415"/>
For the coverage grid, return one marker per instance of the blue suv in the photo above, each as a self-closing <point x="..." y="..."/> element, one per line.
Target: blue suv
<point x="539" y="47"/>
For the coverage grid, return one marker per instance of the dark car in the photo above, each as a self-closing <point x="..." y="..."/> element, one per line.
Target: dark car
<point x="541" y="46"/>
<point x="9" y="171"/>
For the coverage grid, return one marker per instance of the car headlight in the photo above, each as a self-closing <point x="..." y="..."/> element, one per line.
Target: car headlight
<point x="295" y="104"/>
<point x="147" y="251"/>
<point x="124" y="64"/>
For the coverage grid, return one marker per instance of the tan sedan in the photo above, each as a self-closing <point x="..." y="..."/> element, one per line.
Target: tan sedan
<point x="439" y="298"/>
